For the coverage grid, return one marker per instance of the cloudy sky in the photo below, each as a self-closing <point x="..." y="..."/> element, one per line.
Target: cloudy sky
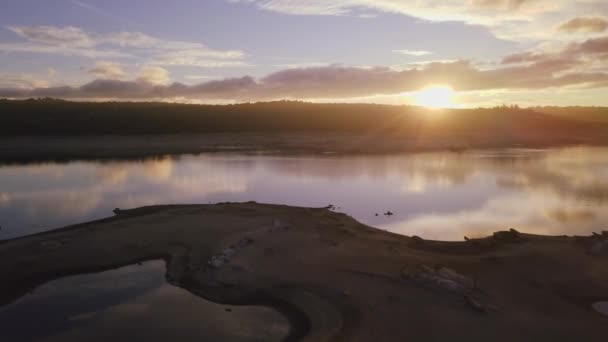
<point x="454" y="52"/>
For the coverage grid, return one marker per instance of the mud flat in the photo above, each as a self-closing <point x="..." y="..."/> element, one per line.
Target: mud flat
<point x="337" y="279"/>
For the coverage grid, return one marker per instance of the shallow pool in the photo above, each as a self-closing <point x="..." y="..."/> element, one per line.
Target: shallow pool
<point x="133" y="303"/>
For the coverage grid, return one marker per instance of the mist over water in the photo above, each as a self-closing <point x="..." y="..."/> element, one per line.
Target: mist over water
<point x="440" y="195"/>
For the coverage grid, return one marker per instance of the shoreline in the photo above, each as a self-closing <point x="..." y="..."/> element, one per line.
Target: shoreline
<point x="32" y="149"/>
<point x="334" y="277"/>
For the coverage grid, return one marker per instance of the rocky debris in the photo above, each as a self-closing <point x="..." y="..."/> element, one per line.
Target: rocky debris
<point x="441" y="278"/>
<point x="511" y="235"/>
<point x="448" y="280"/>
<point x="224" y="257"/>
<point x="475" y="302"/>
<point x="278" y="224"/>
<point x="389" y="213"/>
<point x="417" y="240"/>
<point x="331" y="207"/>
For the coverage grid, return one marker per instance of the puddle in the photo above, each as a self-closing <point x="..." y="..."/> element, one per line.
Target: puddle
<point x="133" y="303"/>
<point x="601" y="307"/>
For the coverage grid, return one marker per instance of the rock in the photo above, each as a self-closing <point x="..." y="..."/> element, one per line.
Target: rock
<point x="388" y="213"/>
<point x="508" y="236"/>
<point x="475" y="303"/>
<point x="441" y="278"/>
<point x="466" y="238"/>
<point x="218" y="260"/>
<point x="116" y="211"/>
<point x="417" y="240"/>
<point x="244" y="242"/>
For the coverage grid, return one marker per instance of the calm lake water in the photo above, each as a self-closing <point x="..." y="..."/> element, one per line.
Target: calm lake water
<point x="434" y="195"/>
<point x="133" y="303"/>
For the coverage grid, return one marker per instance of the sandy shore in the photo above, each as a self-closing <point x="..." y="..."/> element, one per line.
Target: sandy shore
<point x="337" y="279"/>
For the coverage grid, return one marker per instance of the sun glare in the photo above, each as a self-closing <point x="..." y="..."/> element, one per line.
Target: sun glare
<point x="438" y="96"/>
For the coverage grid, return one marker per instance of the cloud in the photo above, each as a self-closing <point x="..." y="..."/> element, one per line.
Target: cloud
<point x="112" y="71"/>
<point x="62" y="50"/>
<point x="50" y="35"/>
<point x="584" y="53"/>
<point x="27" y="81"/>
<point x="338" y="81"/>
<point x="105" y="69"/>
<point x="200" y="57"/>
<point x="96" y="10"/>
<point x="499" y="4"/>
<point x="73" y="41"/>
<point x="582" y="64"/>
<point x="22" y="81"/>
<point x="509" y="19"/>
<point x="585" y="25"/>
<point x="154" y="75"/>
<point x="416" y="53"/>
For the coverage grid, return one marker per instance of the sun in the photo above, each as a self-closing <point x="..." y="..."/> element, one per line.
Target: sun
<point x="436" y="96"/>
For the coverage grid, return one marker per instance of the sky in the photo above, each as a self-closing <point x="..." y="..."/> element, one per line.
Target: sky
<point x="451" y="53"/>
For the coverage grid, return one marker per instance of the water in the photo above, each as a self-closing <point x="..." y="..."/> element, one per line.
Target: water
<point x="434" y="195"/>
<point x="133" y="303"/>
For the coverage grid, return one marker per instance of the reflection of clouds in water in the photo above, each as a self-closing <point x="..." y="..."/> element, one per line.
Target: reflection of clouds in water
<point x="158" y="170"/>
<point x="4" y="199"/>
<point x="56" y="203"/>
<point x="112" y="175"/>
<point x="581" y="173"/>
<point x="477" y="188"/>
<point x="565" y="215"/>
<point x="47" y="195"/>
<point x="526" y="212"/>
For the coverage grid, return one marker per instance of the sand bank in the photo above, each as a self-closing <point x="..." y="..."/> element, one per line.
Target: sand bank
<point x="337" y="279"/>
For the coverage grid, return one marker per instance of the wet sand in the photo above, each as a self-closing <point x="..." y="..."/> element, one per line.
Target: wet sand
<point x="337" y="279"/>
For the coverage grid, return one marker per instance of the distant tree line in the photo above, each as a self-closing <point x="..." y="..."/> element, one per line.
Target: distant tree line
<point x="59" y="117"/>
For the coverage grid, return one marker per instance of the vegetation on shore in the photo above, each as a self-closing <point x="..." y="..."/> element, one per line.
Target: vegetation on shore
<point x="59" y="117"/>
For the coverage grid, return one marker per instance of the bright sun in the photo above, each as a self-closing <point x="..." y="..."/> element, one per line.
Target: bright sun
<point x="437" y="96"/>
